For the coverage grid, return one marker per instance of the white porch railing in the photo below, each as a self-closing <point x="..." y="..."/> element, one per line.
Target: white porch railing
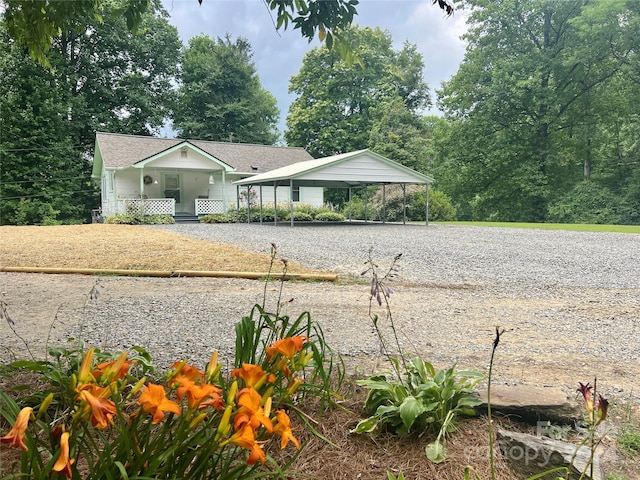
<point x="148" y="206"/>
<point x="207" y="206"/>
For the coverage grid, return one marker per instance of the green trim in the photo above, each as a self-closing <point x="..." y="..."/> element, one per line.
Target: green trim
<point x="179" y="146"/>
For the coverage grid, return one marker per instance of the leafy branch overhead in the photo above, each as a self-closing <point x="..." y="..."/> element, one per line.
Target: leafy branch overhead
<point x="35" y="23"/>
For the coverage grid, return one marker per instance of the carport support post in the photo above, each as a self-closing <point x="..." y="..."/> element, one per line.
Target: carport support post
<point x="350" y="206"/>
<point x="260" y="204"/>
<point x="275" y="203"/>
<point x="248" y="204"/>
<point x="404" y="204"/>
<point x="366" y="203"/>
<point x="426" y="217"/>
<point x="291" y="199"/>
<point x="384" y="204"/>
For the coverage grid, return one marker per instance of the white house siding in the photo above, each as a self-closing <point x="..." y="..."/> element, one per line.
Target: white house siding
<point x="192" y="161"/>
<point x="358" y="168"/>
<point x="313" y="196"/>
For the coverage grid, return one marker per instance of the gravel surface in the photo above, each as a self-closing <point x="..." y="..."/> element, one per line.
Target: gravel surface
<point x="570" y="300"/>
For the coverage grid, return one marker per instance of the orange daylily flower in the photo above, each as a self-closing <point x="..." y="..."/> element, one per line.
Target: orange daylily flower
<point x="155" y="402"/>
<point x="245" y="438"/>
<point x="114" y="370"/>
<point x="188" y="371"/>
<point x="253" y="375"/>
<point x="102" y="409"/>
<point x="15" y="437"/>
<point x="287" y="346"/>
<point x="250" y="410"/>
<point x="64" y="463"/>
<point x="283" y="429"/>
<point x="197" y="394"/>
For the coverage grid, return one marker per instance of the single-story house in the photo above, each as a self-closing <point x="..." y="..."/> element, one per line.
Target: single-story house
<point x="151" y="175"/>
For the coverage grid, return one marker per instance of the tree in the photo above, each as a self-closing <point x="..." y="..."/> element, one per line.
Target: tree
<point x="104" y="78"/>
<point x="221" y="97"/>
<point x="35" y="23"/>
<point x="338" y="103"/>
<point x="526" y="103"/>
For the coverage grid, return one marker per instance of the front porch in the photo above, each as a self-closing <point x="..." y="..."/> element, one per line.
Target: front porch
<point x="167" y="206"/>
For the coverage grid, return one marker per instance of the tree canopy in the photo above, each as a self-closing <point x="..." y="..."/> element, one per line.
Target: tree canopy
<point x="220" y="96"/>
<point x="102" y="78"/>
<point x="36" y="23"/>
<point x="338" y="103"/>
<point x="541" y="103"/>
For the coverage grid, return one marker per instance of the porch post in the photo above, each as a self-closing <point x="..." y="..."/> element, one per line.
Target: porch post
<point x="291" y="199"/>
<point x="224" y="192"/>
<point x="237" y="203"/>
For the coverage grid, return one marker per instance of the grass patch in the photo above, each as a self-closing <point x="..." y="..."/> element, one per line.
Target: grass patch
<point x="574" y="227"/>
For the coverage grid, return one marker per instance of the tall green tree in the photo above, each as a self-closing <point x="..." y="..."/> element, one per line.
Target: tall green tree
<point x="102" y="78"/>
<point x="338" y="103"/>
<point x="221" y="97"/>
<point x="526" y="103"/>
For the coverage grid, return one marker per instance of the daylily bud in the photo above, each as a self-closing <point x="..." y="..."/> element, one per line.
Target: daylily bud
<point x="44" y="406"/>
<point x="197" y="421"/>
<point x="213" y="368"/>
<point x="231" y="396"/>
<point x="138" y="386"/>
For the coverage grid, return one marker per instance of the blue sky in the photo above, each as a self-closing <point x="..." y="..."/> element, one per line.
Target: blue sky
<point x="278" y="55"/>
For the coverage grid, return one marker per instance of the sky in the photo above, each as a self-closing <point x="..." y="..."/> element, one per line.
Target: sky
<point x="278" y="55"/>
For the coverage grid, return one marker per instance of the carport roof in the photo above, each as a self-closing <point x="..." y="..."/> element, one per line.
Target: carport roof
<point x="362" y="167"/>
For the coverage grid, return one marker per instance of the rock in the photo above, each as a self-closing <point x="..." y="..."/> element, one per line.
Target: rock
<point x="529" y="455"/>
<point x="532" y="404"/>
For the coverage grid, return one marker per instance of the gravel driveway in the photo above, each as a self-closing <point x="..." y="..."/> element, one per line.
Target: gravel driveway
<point x="571" y="300"/>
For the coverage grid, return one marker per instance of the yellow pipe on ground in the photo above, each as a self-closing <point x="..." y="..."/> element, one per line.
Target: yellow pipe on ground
<point x="173" y="273"/>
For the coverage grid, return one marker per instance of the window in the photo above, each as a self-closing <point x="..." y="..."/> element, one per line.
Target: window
<point x="295" y="194"/>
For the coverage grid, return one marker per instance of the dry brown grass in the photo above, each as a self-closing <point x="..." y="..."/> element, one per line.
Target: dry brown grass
<point x="125" y="247"/>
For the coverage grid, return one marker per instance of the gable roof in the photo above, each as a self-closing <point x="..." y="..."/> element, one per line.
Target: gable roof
<point x="362" y="167"/>
<point x="116" y="150"/>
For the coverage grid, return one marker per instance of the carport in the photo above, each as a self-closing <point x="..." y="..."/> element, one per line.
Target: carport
<point x="357" y="169"/>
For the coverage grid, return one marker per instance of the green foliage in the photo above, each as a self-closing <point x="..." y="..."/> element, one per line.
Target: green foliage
<point x="330" y="217"/>
<point x="221" y="97"/>
<point x="391" y="206"/>
<point x="33" y="212"/>
<point x="629" y="439"/>
<point x="587" y="202"/>
<point x="218" y="218"/>
<point x="122" y="219"/>
<point x="338" y="103"/>
<point x="421" y="402"/>
<point x="541" y="102"/>
<point x="301" y="216"/>
<point x="103" y="78"/>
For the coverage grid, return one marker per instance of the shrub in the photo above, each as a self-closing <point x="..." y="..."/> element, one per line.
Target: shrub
<point x="587" y="202"/>
<point x="122" y="219"/>
<point x="440" y="207"/>
<point x="330" y="217"/>
<point x="301" y="216"/>
<point x="218" y="218"/>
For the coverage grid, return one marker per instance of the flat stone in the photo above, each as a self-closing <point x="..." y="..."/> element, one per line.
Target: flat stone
<point x="532" y="404"/>
<point x="529" y="455"/>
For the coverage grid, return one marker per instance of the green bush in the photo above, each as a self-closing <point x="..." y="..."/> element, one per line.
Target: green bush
<point x="301" y="216"/>
<point x="122" y="219"/>
<point x="218" y="218"/>
<point x="587" y="202"/>
<point x="330" y="217"/>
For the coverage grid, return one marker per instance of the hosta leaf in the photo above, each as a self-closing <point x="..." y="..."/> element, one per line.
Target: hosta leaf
<point x="436" y="452"/>
<point x="367" y="425"/>
<point x="469" y="401"/>
<point x="410" y="409"/>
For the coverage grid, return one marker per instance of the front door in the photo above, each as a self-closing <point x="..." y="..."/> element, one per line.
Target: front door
<point x="173" y="189"/>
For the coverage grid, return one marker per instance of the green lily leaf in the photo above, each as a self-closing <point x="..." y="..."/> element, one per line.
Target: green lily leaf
<point x="410" y="409"/>
<point x="366" y="426"/>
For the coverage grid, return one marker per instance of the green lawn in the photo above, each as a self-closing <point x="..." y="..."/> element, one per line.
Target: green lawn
<point x="553" y="226"/>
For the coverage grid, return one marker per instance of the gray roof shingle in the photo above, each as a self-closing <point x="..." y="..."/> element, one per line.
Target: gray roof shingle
<point x="120" y="151"/>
